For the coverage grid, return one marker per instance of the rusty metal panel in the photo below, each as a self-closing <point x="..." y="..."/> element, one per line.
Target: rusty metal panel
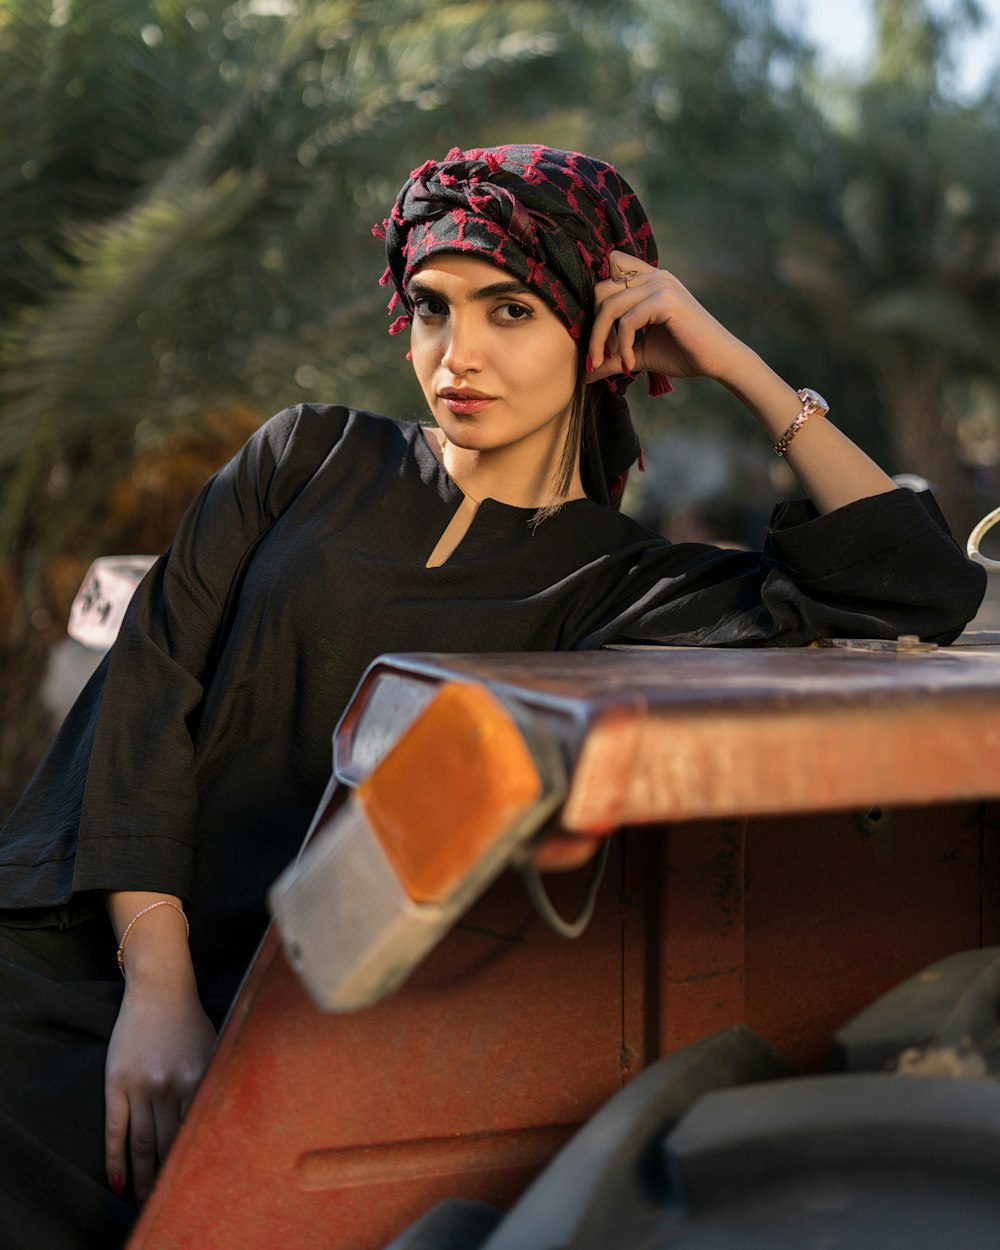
<point x="312" y="1129"/>
<point x="701" y="937"/>
<point x="989" y="916"/>
<point x="748" y="893"/>
<point x="842" y="907"/>
<point x="340" y="1130"/>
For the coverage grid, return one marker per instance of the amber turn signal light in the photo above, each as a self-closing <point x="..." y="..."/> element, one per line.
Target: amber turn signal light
<point x="457" y="797"/>
<point x="449" y="790"/>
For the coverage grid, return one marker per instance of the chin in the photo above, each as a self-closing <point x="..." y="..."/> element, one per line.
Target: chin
<point x="470" y="438"/>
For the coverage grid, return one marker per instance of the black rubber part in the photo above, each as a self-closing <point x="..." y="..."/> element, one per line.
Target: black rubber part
<point x="609" y="1180"/>
<point x="455" y="1224"/>
<point x="869" y="1162"/>
<point x="950" y="1004"/>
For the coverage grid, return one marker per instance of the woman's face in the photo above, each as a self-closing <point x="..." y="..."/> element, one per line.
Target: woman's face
<point x="496" y="365"/>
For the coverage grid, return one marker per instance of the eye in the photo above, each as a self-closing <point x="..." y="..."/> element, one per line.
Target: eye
<point x="427" y="306"/>
<point x="513" y="312"/>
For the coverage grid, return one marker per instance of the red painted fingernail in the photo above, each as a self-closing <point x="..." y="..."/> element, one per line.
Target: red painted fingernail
<point x="628" y="372"/>
<point x="117" y="1186"/>
<point x="590" y="364"/>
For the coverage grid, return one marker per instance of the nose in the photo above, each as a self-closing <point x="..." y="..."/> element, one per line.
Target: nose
<point x="463" y="349"/>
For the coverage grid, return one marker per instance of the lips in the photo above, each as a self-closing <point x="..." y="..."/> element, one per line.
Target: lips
<point x="464" y="401"/>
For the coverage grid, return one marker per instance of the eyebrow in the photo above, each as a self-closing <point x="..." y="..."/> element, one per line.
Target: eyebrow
<point x="422" y="290"/>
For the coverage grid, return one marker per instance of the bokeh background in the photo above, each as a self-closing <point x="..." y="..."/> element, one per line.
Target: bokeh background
<point x="188" y="188"/>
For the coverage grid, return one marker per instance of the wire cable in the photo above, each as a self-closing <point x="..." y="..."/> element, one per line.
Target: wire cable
<point x="546" y="908"/>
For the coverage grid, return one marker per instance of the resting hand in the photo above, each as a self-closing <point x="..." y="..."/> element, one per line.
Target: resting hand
<point x="161" y="1042"/>
<point x="678" y="336"/>
<point x="159" y="1050"/>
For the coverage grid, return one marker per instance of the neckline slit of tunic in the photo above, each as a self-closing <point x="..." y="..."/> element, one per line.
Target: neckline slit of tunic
<point x="468" y="509"/>
<point x="453" y="533"/>
<point x="461" y="519"/>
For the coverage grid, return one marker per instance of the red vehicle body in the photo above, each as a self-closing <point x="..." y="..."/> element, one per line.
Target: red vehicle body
<point x="795" y="831"/>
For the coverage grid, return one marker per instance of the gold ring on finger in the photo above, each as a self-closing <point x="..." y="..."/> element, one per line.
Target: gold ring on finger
<point x="625" y="275"/>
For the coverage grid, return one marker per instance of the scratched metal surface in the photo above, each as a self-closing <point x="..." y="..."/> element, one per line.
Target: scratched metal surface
<point x="674" y="676"/>
<point x="680" y="733"/>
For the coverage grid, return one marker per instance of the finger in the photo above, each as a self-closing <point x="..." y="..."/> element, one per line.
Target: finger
<point x="631" y="329"/>
<point x="603" y="335"/>
<point x="624" y="334"/>
<point x="167" y="1115"/>
<point x="115" y="1137"/>
<point x="142" y="1148"/>
<point x="611" y="301"/>
<point x="619" y="263"/>
<point x="622" y="262"/>
<point x="610" y="368"/>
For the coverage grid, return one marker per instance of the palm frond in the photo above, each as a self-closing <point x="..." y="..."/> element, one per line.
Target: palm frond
<point x="244" y="237"/>
<point x="83" y="364"/>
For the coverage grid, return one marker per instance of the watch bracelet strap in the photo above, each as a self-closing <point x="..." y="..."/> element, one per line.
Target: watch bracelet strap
<point x="810" y="407"/>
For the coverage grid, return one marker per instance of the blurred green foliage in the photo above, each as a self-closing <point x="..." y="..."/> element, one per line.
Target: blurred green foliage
<point x="189" y="186"/>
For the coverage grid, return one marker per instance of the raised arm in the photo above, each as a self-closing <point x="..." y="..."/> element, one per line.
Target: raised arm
<point x="682" y="339"/>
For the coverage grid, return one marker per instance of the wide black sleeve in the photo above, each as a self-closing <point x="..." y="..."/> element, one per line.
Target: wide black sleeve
<point x="113" y="803"/>
<point x="876" y="568"/>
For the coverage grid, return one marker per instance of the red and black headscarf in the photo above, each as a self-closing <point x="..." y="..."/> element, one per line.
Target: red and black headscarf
<point x="549" y="218"/>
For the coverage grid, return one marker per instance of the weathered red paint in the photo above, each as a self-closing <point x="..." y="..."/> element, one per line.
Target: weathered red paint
<point x="789" y="912"/>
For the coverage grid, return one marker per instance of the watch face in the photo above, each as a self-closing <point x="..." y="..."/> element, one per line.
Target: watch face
<point x="813" y="402"/>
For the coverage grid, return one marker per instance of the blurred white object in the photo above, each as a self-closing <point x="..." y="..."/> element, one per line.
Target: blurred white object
<point x="912" y="481"/>
<point x="977" y="536"/>
<point x="69" y="668"/>
<point x="100" y="603"/>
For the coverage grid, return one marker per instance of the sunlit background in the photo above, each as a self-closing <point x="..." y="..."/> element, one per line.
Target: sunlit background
<point x="185" y="245"/>
<point x="845" y="32"/>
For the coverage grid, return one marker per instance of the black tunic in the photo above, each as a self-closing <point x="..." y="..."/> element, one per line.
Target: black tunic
<point x="193" y="760"/>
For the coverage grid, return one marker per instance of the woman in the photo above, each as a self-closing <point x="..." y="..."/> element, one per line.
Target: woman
<point x="185" y="776"/>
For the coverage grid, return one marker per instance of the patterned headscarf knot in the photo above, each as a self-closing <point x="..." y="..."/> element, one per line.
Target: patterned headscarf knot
<point x="549" y="218"/>
<point x="483" y="199"/>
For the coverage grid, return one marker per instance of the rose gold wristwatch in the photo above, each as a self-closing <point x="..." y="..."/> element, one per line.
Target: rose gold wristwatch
<point x="813" y="405"/>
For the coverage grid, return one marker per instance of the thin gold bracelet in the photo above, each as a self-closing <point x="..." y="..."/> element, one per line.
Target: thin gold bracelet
<point x="162" y="902"/>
